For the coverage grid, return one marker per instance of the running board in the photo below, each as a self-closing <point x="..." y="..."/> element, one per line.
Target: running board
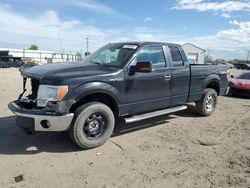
<point x="154" y="114"/>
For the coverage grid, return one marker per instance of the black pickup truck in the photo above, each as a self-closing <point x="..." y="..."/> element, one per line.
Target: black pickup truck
<point x="132" y="80"/>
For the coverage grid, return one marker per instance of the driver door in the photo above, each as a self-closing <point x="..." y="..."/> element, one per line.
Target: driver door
<point x="147" y="92"/>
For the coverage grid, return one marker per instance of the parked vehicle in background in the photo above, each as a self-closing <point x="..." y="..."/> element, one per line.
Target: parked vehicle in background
<point x="229" y="64"/>
<point x="223" y="63"/>
<point x="239" y="85"/>
<point x="242" y="66"/>
<point x="133" y="80"/>
<point x="8" y="64"/>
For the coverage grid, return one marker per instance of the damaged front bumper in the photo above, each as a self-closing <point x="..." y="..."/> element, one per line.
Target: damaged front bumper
<point x="54" y="116"/>
<point x="32" y="120"/>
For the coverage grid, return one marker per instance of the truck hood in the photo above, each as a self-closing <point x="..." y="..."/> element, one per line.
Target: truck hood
<point x="65" y="70"/>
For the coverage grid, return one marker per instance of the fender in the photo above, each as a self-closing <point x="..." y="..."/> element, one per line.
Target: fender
<point x="94" y="87"/>
<point x="211" y="78"/>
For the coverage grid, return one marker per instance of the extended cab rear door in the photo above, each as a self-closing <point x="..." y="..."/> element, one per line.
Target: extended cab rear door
<point x="180" y="75"/>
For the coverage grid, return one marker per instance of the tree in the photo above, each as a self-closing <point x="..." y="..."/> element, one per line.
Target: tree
<point x="78" y="55"/>
<point x="208" y="59"/>
<point x="235" y="61"/>
<point x="33" y="47"/>
<point x="220" y="60"/>
<point x="87" y="54"/>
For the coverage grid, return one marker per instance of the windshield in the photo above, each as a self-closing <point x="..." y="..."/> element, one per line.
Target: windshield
<point x="113" y="55"/>
<point x="245" y="76"/>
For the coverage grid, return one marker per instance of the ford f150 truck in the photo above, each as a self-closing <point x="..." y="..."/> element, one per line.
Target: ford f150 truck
<point x="132" y="80"/>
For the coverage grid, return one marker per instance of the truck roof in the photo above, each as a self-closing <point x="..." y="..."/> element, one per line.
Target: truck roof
<point x="139" y="43"/>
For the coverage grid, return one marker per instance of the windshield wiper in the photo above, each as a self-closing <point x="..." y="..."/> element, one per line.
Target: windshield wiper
<point x="95" y="62"/>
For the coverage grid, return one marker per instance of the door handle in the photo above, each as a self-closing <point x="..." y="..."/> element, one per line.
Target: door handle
<point x="167" y="77"/>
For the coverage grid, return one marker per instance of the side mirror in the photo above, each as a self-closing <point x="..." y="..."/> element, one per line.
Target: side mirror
<point x="142" y="67"/>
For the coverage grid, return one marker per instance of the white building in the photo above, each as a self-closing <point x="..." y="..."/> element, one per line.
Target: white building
<point x="39" y="56"/>
<point x="194" y="53"/>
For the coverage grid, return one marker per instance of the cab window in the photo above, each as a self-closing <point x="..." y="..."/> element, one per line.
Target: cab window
<point x="153" y="54"/>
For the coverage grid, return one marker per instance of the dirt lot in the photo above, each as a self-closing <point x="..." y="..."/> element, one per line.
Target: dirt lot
<point x="180" y="150"/>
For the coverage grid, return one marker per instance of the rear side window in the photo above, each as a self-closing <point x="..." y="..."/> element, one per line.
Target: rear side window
<point x="176" y="56"/>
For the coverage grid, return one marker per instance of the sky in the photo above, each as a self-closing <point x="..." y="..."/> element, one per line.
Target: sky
<point x="221" y="27"/>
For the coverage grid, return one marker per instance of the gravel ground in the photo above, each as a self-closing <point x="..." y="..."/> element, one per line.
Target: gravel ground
<point x="179" y="150"/>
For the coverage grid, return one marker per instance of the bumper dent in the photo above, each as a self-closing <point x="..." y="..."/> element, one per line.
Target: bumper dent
<point x="53" y="122"/>
<point x="56" y="123"/>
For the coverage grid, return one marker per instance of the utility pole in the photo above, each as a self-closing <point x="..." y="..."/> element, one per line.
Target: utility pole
<point x="208" y="52"/>
<point x="87" y="44"/>
<point x="248" y="55"/>
<point x="60" y="40"/>
<point x="87" y="47"/>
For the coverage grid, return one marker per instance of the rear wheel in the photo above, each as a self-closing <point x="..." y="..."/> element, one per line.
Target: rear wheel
<point x="206" y="105"/>
<point x="92" y="126"/>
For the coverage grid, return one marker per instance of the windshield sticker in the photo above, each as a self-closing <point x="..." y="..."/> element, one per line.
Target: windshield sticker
<point x="130" y="46"/>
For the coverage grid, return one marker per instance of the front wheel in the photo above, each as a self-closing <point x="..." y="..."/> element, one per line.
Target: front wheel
<point x="92" y="125"/>
<point x="206" y="105"/>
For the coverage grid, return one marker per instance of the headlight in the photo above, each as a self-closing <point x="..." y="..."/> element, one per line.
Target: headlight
<point x="48" y="93"/>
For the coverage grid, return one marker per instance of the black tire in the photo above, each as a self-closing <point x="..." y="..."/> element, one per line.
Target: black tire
<point x="87" y="118"/>
<point x="206" y="105"/>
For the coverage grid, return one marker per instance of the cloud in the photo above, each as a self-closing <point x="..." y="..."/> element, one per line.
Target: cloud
<point x="228" y="43"/>
<point x="20" y="31"/>
<point x="203" y="5"/>
<point x="224" y="7"/>
<point x="148" y="19"/>
<point x="225" y="15"/>
<point x="46" y="29"/>
<point x="95" y="6"/>
<point x="143" y="34"/>
<point x="232" y="42"/>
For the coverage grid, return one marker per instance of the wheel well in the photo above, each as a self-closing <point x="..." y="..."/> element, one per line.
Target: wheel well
<point x="215" y="86"/>
<point x="98" y="97"/>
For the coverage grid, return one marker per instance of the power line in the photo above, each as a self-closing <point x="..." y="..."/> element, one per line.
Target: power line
<point x="58" y="34"/>
<point x="60" y="41"/>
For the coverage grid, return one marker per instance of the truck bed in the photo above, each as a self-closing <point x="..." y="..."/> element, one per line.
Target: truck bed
<point x="201" y="74"/>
